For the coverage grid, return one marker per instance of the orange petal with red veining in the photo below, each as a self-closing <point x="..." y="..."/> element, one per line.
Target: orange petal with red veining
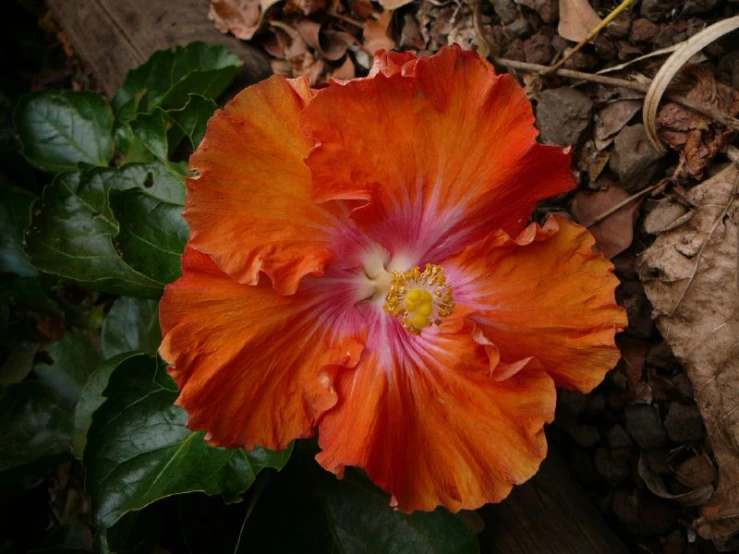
<point x="423" y="416"/>
<point x="546" y="294"/>
<point x="250" y="205"/>
<point x="254" y="367"/>
<point x="441" y="150"/>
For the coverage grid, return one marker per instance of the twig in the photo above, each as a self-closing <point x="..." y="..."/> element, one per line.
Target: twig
<point x="602" y="79"/>
<point x="592" y="34"/>
<point x="609" y="212"/>
<point x="729" y="122"/>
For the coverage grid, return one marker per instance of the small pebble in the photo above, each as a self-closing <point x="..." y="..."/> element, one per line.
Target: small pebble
<point x="586" y="435"/>
<point x="684" y="423"/>
<point x="645" y="427"/>
<point x="618" y="437"/>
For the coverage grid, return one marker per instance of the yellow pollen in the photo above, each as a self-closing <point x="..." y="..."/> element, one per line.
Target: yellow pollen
<point x="419" y="298"/>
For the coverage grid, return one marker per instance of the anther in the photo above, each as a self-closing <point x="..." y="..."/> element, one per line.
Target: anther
<point x="419" y="298"/>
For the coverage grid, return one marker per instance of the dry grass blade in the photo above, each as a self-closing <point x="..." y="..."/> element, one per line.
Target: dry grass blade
<point x="660" y="52"/>
<point x="672" y="66"/>
<point x="595" y="29"/>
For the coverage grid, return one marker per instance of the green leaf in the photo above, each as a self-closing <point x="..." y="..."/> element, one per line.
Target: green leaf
<point x="73" y="231"/>
<point x="307" y="509"/>
<point x="59" y="130"/>
<point x="32" y="424"/>
<point x="91" y="398"/>
<point x="152" y="233"/>
<point x="192" y="119"/>
<point x="169" y="76"/>
<point x="132" y="325"/>
<point x="151" y="130"/>
<point x="66" y="366"/>
<point x="139" y="449"/>
<point x="15" y="217"/>
<point x="18" y="361"/>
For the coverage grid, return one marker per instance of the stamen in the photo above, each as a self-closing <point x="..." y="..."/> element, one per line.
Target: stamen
<point x="419" y="298"/>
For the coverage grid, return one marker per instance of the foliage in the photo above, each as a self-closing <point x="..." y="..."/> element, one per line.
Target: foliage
<point x="83" y="262"/>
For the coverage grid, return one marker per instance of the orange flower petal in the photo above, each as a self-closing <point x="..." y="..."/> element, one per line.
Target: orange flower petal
<point x="422" y="415"/>
<point x="442" y="150"/>
<point x="546" y="294"/>
<point x="255" y="367"/>
<point x="250" y="208"/>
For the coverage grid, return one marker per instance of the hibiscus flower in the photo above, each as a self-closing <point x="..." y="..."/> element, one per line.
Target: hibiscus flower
<point x="360" y="266"/>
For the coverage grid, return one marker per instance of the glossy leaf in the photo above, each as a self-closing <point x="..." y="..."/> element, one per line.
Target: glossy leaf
<point x="66" y="366"/>
<point x="15" y="217"/>
<point x="18" y="361"/>
<point x="169" y="76"/>
<point x="192" y="119"/>
<point x="32" y="424"/>
<point x="91" y="398"/>
<point x="151" y="130"/>
<point x="306" y="509"/>
<point x="139" y="449"/>
<point x="152" y="233"/>
<point x="59" y="130"/>
<point x="132" y="325"/>
<point x="73" y="231"/>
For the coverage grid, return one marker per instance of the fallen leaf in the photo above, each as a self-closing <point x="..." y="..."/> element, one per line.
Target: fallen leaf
<point x="242" y="18"/>
<point x="690" y="277"/>
<point x="330" y="45"/>
<point x="696" y="472"/>
<point x="697" y="137"/>
<point x="410" y="35"/>
<point x="576" y="19"/>
<point x="362" y="8"/>
<point x="592" y="161"/>
<point x="656" y="484"/>
<point x="611" y="119"/>
<point x="394" y="4"/>
<point x="377" y="33"/>
<point x="667" y="215"/>
<point x="306" y="7"/>
<point x="614" y="234"/>
<point x="295" y="51"/>
<point x="345" y="71"/>
<point x="634" y="354"/>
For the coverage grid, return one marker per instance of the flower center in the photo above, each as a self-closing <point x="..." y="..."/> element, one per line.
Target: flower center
<point x="419" y="298"/>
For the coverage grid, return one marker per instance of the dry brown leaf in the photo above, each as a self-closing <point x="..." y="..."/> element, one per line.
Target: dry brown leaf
<point x="377" y="33"/>
<point x="592" y="161"/>
<point x="697" y="137"/>
<point x="634" y="354"/>
<point x="576" y="19"/>
<point x="673" y="65"/>
<point x="362" y="8"/>
<point x="611" y="119"/>
<point x="345" y="71"/>
<point x="690" y="277"/>
<point x="240" y="17"/>
<point x="614" y="234"/>
<point x="331" y="45"/>
<point x="306" y="7"/>
<point x="697" y="471"/>
<point x="394" y="4"/>
<point x="656" y="484"/>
